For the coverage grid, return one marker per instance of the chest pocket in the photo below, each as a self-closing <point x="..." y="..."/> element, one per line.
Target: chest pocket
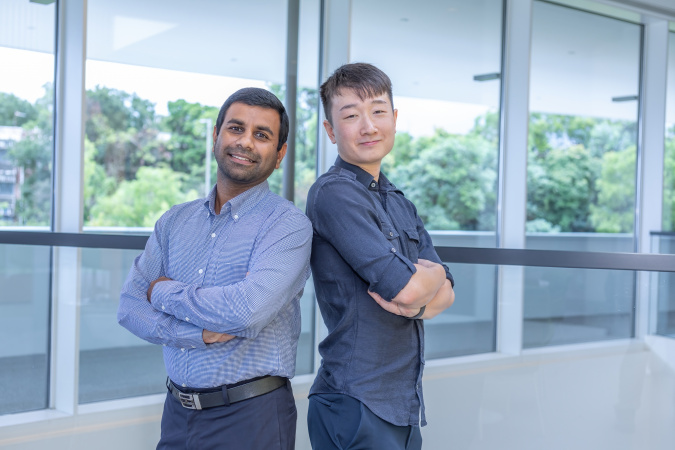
<point x="412" y="240"/>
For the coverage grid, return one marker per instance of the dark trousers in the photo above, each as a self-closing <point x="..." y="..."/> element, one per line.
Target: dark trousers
<point x="266" y="422"/>
<point x="340" y="422"/>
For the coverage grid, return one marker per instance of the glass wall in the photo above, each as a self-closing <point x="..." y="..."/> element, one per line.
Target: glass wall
<point x="669" y="162"/>
<point x="26" y="112"/>
<point x="663" y="288"/>
<point x="582" y="147"/>
<point x="25" y="274"/>
<point x="156" y="77"/>
<point x="444" y="62"/>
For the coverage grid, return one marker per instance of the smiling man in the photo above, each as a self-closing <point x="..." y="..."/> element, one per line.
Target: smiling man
<point x="376" y="276"/>
<point x="218" y="286"/>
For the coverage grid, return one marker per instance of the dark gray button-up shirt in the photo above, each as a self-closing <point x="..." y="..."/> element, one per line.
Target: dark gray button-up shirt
<point x="367" y="236"/>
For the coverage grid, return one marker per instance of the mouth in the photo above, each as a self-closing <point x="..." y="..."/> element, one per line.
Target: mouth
<point x="240" y="158"/>
<point x="369" y="143"/>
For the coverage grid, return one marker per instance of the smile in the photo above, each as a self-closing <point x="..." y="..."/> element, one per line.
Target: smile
<point x="241" y="158"/>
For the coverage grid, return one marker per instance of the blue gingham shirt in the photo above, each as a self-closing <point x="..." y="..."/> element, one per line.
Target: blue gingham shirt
<point x="240" y="272"/>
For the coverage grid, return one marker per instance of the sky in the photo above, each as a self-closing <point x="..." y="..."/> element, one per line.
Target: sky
<point x="25" y="73"/>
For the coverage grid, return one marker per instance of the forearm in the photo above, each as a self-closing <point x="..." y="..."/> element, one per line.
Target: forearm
<point x="443" y="299"/>
<point x="422" y="287"/>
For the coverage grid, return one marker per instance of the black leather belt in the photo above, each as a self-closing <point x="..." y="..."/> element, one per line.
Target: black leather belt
<point x="224" y="395"/>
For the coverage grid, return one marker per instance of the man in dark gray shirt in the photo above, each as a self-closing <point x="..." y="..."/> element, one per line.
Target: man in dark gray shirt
<point x="376" y="275"/>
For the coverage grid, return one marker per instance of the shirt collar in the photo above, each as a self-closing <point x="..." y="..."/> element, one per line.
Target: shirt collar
<point x="239" y="205"/>
<point x="366" y="179"/>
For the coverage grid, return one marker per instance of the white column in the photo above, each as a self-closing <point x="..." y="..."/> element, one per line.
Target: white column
<point x="68" y="201"/>
<point x="513" y="170"/>
<point x="650" y="165"/>
<point x="335" y="36"/>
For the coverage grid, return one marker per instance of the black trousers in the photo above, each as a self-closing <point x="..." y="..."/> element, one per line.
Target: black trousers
<point x="340" y="422"/>
<point x="266" y="422"/>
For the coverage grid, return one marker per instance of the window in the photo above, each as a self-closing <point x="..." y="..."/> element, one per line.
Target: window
<point x="584" y="87"/>
<point x="156" y="77"/>
<point x="444" y="62"/>
<point x="26" y="113"/>
<point x="669" y="163"/>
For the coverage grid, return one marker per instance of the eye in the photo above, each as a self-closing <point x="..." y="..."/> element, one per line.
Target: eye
<point x="236" y="129"/>
<point x="261" y="135"/>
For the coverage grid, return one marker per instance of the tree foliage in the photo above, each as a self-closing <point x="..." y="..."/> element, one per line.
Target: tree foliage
<point x="581" y="170"/>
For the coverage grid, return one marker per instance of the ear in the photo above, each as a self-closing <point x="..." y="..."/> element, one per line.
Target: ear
<point x="395" y="117"/>
<point x="215" y="138"/>
<point x="280" y="154"/>
<point x="329" y="131"/>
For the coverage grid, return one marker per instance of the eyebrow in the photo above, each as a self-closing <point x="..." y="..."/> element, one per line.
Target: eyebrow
<point x="259" y="127"/>
<point x="375" y="101"/>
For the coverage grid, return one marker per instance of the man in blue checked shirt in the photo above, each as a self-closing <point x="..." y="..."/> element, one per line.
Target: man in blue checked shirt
<point x="376" y="275"/>
<point x="219" y="284"/>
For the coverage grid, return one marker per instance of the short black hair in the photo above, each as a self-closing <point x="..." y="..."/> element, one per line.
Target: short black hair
<point x="364" y="79"/>
<point x="257" y="97"/>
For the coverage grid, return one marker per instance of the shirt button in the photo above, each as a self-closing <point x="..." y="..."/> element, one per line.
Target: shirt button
<point x="187" y="319"/>
<point x="201" y="270"/>
<point x="182" y="349"/>
<point x="184" y="385"/>
<point x="213" y="234"/>
<point x="163" y="308"/>
<point x="393" y="250"/>
<point x="164" y="345"/>
<point x="373" y="184"/>
<point x="236" y="216"/>
<point x="391" y="233"/>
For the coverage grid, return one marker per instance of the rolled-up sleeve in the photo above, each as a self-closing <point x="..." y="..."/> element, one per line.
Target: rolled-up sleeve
<point x="345" y="214"/>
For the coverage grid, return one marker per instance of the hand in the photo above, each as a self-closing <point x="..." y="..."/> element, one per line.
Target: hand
<point x="394" y="307"/>
<point x="152" y="285"/>
<point x="211" y="337"/>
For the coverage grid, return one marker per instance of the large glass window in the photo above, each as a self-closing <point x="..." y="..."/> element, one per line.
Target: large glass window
<point x="581" y="172"/>
<point x="156" y="77"/>
<point x="444" y="61"/>
<point x="584" y="86"/>
<point x="26" y="112"/>
<point x="669" y="162"/>
<point x="24" y="326"/>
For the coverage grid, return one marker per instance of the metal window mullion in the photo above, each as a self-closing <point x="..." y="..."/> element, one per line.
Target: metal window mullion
<point x="68" y="201"/>
<point x="650" y="157"/>
<point x="293" y="30"/>
<point x="334" y="52"/>
<point x="514" y="122"/>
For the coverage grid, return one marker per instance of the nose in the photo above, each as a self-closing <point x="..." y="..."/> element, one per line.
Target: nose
<point x="245" y="140"/>
<point x="367" y="125"/>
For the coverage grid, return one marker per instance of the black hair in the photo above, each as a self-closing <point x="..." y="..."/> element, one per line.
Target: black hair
<point x="366" y="80"/>
<point x="257" y="97"/>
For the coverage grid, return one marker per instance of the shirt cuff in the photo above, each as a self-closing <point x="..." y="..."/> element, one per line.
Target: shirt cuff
<point x="160" y="299"/>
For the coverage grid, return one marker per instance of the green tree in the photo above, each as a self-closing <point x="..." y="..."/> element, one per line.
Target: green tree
<point x="669" y="182"/>
<point x="140" y="202"/>
<point x="450" y="178"/>
<point x="33" y="155"/>
<point x="561" y="188"/>
<point x="15" y="111"/>
<point x="614" y="211"/>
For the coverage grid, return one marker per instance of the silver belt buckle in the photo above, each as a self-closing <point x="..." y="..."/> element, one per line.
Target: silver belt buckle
<point x="189" y="401"/>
